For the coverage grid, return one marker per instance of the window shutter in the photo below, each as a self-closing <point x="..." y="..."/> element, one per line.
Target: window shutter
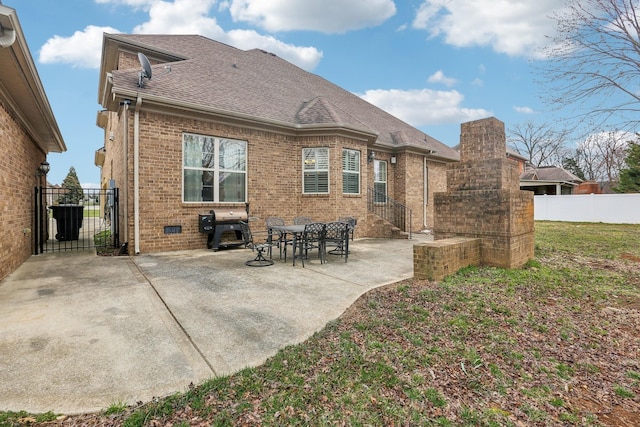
<point x="316" y="170"/>
<point x="350" y="171"/>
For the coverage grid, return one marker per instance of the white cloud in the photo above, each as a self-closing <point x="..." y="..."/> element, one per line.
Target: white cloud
<point x="439" y="77"/>
<point x="515" y="28"/>
<point x="132" y="3"/>
<point x="524" y="110"/>
<point x="420" y="107"/>
<point x="326" y="16"/>
<point x="178" y="17"/>
<point x="83" y="48"/>
<point x="304" y="57"/>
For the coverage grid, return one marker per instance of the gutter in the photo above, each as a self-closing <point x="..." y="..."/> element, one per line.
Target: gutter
<point x="38" y="118"/>
<point x="7" y="36"/>
<point x="361" y="133"/>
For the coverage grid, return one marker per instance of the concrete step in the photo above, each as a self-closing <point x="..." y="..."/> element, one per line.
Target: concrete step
<point x="385" y="229"/>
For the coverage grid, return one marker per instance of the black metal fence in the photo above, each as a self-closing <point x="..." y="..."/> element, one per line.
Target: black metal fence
<point x="88" y="222"/>
<point x="389" y="209"/>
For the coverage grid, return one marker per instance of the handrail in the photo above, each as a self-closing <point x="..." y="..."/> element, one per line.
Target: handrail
<point x="380" y="204"/>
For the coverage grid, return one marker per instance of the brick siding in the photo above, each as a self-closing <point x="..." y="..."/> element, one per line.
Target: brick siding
<point x="438" y="259"/>
<point x="274" y="177"/>
<point x="19" y="159"/>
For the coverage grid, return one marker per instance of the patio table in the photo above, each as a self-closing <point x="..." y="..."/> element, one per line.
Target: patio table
<point x="296" y="230"/>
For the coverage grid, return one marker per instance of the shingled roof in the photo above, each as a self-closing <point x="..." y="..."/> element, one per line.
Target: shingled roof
<point x="549" y="173"/>
<point x="251" y="83"/>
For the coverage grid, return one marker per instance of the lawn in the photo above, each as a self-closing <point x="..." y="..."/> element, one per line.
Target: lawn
<point x="553" y="343"/>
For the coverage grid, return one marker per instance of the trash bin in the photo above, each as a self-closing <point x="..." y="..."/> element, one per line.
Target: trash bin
<point x="68" y="221"/>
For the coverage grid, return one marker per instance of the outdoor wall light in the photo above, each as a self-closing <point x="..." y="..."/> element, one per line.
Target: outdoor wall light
<point x="43" y="169"/>
<point x="371" y="156"/>
<point x="393" y="160"/>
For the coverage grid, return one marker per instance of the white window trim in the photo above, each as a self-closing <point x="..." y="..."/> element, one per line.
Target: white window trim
<point x="358" y="172"/>
<point x="216" y="170"/>
<point x="386" y="181"/>
<point x="328" y="170"/>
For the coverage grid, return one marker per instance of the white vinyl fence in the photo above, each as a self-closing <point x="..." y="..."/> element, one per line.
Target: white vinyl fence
<point x="607" y="208"/>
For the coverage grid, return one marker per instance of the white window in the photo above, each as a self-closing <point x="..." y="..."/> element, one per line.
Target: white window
<point x="214" y="169"/>
<point x="350" y="172"/>
<point x="380" y="181"/>
<point x="315" y="170"/>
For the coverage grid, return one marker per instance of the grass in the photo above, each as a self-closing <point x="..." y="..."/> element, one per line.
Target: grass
<point x="24" y="418"/>
<point x="102" y="239"/>
<point x="89" y="211"/>
<point x="484" y="347"/>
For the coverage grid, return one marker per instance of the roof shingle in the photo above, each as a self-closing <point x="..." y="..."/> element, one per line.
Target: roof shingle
<point x="259" y="84"/>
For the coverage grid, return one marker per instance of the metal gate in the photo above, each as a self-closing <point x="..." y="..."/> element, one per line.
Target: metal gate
<point x="87" y="221"/>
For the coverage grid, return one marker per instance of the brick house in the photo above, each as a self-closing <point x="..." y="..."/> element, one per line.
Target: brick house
<point x="29" y="131"/>
<point x="216" y="126"/>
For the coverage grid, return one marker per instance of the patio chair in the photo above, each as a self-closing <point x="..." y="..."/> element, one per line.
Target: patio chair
<point x="258" y="247"/>
<point x="301" y="220"/>
<point x="352" y="224"/>
<point x="337" y="233"/>
<point x="275" y="235"/>
<point x="312" y="238"/>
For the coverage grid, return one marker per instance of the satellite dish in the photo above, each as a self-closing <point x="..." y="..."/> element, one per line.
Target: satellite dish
<point x="145" y="73"/>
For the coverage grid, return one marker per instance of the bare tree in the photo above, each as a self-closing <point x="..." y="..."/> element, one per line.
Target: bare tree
<point x="594" y="61"/>
<point x="602" y="155"/>
<point x="614" y="151"/>
<point x="540" y="144"/>
<point x="588" y="157"/>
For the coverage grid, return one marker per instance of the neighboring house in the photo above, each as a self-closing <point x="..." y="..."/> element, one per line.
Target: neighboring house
<point x="550" y="180"/>
<point x="29" y="131"/>
<point x="544" y="179"/>
<point x="522" y="161"/>
<point x="216" y="127"/>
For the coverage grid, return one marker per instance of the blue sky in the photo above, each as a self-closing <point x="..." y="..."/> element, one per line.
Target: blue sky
<point x="433" y="63"/>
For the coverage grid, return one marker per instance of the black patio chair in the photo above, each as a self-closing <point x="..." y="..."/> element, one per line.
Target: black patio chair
<point x="276" y="236"/>
<point x="352" y="224"/>
<point x="259" y="248"/>
<point x="337" y="233"/>
<point x="312" y="238"/>
<point x="302" y="220"/>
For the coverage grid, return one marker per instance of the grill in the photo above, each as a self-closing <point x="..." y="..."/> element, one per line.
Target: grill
<point x="220" y="221"/>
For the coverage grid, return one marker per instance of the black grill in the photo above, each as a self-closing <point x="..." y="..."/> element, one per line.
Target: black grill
<point x="220" y="221"/>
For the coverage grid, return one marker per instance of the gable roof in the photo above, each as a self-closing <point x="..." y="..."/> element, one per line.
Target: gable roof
<point x="20" y="87"/>
<point x="254" y="85"/>
<point x="549" y="173"/>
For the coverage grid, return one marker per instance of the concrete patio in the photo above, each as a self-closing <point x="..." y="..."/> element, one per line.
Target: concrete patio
<point x="80" y="332"/>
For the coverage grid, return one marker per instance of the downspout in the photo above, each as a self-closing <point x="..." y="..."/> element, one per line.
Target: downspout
<point x="136" y="169"/>
<point x="125" y="184"/>
<point x="425" y="189"/>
